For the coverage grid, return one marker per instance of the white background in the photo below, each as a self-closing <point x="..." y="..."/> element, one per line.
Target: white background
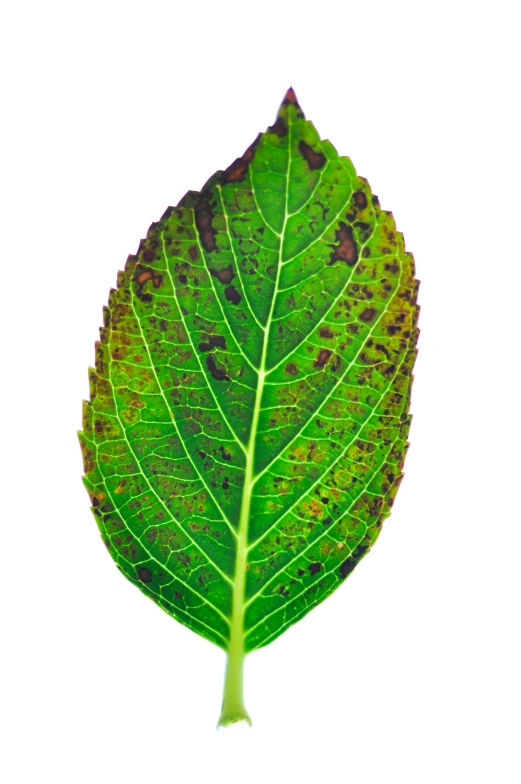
<point x="410" y="672"/>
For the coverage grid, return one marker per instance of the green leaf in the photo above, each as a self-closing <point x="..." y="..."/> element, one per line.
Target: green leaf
<point x="248" y="419"/>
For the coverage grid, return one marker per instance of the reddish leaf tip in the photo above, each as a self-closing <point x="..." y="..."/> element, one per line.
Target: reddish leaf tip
<point x="290" y="99"/>
<point x="290" y="96"/>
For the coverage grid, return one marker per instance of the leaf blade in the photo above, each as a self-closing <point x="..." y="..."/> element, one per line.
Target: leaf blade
<point x="248" y="418"/>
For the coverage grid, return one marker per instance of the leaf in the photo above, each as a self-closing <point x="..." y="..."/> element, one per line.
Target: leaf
<point x="248" y="419"/>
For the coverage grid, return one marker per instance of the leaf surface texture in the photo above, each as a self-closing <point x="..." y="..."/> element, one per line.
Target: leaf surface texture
<point x="248" y="414"/>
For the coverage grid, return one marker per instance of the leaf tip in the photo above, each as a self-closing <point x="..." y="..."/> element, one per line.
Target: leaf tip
<point x="290" y="100"/>
<point x="290" y="96"/>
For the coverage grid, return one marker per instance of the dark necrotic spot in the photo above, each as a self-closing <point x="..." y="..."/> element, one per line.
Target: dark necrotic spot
<point x="347" y="566"/>
<point x="144" y="574"/>
<point x="238" y="169"/>
<point x="224" y="454"/>
<point x="368" y="314"/>
<point x="300" y="572"/>
<point x="217" y="341"/>
<point x="182" y="279"/>
<point x="225" y="275"/>
<point x="315" y="160"/>
<point x="360" y="200"/>
<point x="225" y="483"/>
<point x="322" y="358"/>
<point x="314" y="568"/>
<point x="346" y="249"/>
<point x="216" y="372"/>
<point x="325" y="332"/>
<point x="149" y="255"/>
<point x="232" y="295"/>
<point x="279" y="127"/>
<point x="291" y="369"/>
<point x="192" y="250"/>
<point x="214" y="341"/>
<point x="203" y="222"/>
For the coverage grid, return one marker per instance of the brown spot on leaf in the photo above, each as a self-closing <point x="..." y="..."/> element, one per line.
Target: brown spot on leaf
<point x="232" y="295"/>
<point x="236" y="172"/>
<point x="322" y="358"/>
<point x="346" y="249"/>
<point x="225" y="275"/>
<point x="144" y="574"/>
<point x="149" y="255"/>
<point x="314" y="568"/>
<point x="142" y="278"/>
<point x="291" y="369"/>
<point x="325" y="332"/>
<point x="314" y="159"/>
<point x="278" y="128"/>
<point x="368" y="314"/>
<point x="360" y="200"/>
<point x="216" y="372"/>
<point x="203" y="222"/>
<point x="192" y="250"/>
<point x="290" y="97"/>
<point x="224" y="454"/>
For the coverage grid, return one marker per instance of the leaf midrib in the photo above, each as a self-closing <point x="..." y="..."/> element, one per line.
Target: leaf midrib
<point x="239" y="584"/>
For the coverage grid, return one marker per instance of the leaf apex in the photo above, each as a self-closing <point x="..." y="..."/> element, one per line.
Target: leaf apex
<point x="290" y="99"/>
